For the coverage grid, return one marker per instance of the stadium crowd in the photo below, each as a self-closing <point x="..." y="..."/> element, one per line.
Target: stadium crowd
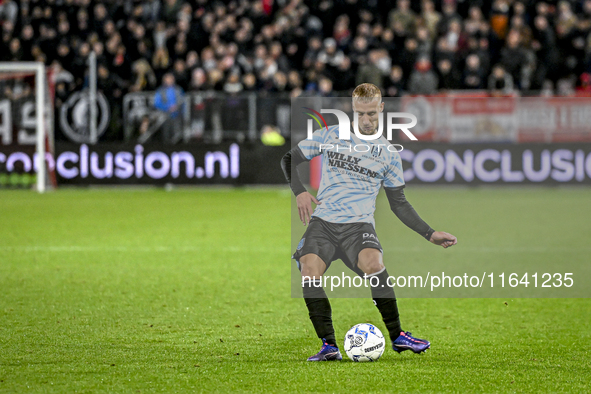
<point x="317" y="46"/>
<point x="311" y="47"/>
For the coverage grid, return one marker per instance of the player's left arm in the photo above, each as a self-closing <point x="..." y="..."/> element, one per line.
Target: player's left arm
<point x="407" y="215"/>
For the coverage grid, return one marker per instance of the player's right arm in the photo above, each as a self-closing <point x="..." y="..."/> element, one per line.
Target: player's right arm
<point x="303" y="199"/>
<point x="306" y="150"/>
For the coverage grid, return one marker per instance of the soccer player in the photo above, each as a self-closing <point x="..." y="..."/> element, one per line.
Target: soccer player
<point x="342" y="225"/>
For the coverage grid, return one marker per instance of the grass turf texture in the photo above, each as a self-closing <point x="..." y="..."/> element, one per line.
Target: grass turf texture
<point x="154" y="291"/>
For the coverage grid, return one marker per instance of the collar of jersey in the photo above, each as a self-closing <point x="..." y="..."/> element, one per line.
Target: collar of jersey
<point x="357" y="140"/>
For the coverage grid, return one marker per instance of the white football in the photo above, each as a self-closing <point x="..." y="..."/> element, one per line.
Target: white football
<point x="364" y="342"/>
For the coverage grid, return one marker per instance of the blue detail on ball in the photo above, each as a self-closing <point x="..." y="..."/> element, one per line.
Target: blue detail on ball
<point x="361" y="332"/>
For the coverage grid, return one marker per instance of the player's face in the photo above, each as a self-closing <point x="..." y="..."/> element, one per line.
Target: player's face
<point x="368" y="114"/>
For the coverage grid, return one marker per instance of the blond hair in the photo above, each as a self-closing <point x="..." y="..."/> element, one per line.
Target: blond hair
<point x="366" y="93"/>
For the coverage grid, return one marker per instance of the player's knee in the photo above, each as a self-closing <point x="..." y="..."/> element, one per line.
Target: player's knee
<point x="373" y="266"/>
<point x="370" y="261"/>
<point x="312" y="266"/>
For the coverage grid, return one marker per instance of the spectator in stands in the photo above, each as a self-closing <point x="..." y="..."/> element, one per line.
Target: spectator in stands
<point x="233" y="84"/>
<point x="121" y="64"/>
<point x="371" y="72"/>
<point x="499" y="19"/>
<point x="99" y="17"/>
<point x="547" y="53"/>
<point x="448" y="75"/>
<point x="500" y="83"/>
<point x="387" y="42"/>
<point x="208" y="61"/>
<point x="475" y="19"/>
<point x="325" y="87"/>
<point x="408" y="56"/>
<point x="513" y="57"/>
<point x="279" y="83"/>
<point x="424" y="42"/>
<point x="198" y="80"/>
<point x="143" y="76"/>
<point x="79" y="64"/>
<point x="215" y="78"/>
<point x="423" y="79"/>
<point x="520" y="10"/>
<point x="192" y="61"/>
<point x="566" y="20"/>
<point x="456" y="41"/>
<point x="330" y="54"/>
<point x="249" y="81"/>
<point x="430" y="17"/>
<point x="59" y="75"/>
<point x="160" y="62"/>
<point x="276" y="52"/>
<point x="449" y="14"/>
<point x="82" y="25"/>
<point x="64" y="54"/>
<point x="8" y="11"/>
<point x="169" y="99"/>
<point x="344" y="76"/>
<point x="181" y="74"/>
<point x="482" y="50"/>
<point x="15" y="51"/>
<point x="473" y="77"/>
<point x="394" y="83"/>
<point x="61" y="95"/>
<point x="358" y="51"/>
<point x="525" y="32"/>
<point x="314" y="47"/>
<point x="27" y="41"/>
<point x="341" y="32"/>
<point x="47" y="39"/>
<point x="160" y="35"/>
<point x="170" y="10"/>
<point x="402" y="17"/>
<point x="109" y="29"/>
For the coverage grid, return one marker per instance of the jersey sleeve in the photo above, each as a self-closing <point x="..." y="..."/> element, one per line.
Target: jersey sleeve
<point x="394" y="176"/>
<point x="311" y="148"/>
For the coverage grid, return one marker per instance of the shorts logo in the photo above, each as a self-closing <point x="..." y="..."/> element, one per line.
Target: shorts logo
<point x="369" y="235"/>
<point x="301" y="244"/>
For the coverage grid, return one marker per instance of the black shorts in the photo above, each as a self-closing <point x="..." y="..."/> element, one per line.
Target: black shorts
<point x="332" y="241"/>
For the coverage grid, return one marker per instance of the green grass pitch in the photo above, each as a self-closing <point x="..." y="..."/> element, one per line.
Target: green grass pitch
<point x="122" y="290"/>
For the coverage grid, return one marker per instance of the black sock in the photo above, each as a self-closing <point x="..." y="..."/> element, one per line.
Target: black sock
<point x="319" y="310"/>
<point x="385" y="299"/>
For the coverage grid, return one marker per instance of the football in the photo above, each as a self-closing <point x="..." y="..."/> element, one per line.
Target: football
<point x="364" y="342"/>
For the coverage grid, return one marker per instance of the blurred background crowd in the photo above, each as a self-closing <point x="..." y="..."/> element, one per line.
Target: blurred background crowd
<point x="310" y="47"/>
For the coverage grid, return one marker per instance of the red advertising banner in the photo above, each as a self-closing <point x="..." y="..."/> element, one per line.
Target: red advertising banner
<point x="501" y="119"/>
